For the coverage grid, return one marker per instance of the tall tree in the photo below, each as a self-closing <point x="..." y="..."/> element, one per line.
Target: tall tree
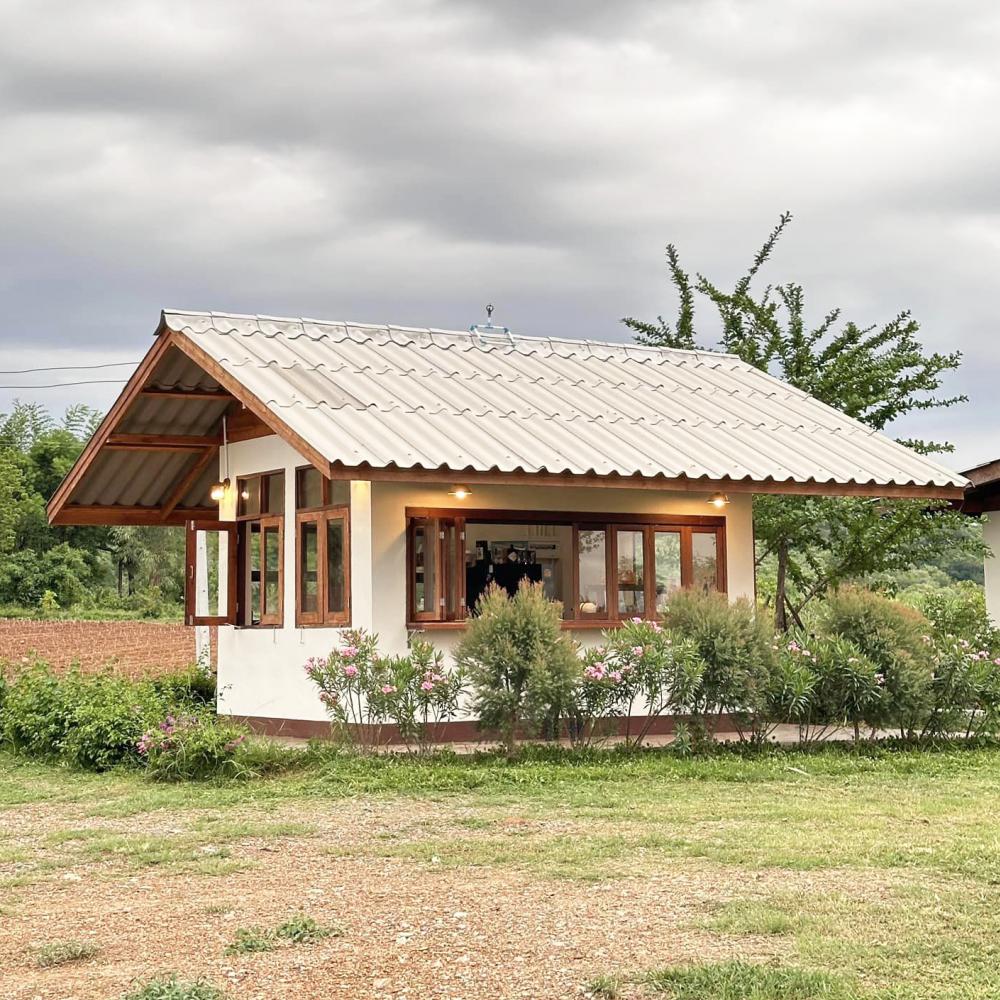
<point x="876" y="374"/>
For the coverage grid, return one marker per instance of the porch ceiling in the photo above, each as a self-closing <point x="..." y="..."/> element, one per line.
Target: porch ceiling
<point x="154" y="459"/>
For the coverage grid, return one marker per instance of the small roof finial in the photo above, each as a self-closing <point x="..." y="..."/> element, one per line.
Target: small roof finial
<point x="487" y="328"/>
<point x="489" y="312"/>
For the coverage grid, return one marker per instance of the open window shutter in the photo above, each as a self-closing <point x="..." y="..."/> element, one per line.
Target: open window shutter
<point x="210" y="573"/>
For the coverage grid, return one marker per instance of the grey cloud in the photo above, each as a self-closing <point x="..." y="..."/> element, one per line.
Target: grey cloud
<point x="380" y="161"/>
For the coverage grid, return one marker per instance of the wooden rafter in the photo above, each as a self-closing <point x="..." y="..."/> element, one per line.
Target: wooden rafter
<point x="120" y="514"/>
<point x="161" y="442"/>
<point x="186" y="481"/>
<point x="209" y="394"/>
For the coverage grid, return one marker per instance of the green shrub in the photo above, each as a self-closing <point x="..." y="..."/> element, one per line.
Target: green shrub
<point x="107" y="717"/>
<point x="739" y="659"/>
<point x="521" y="664"/>
<point x="898" y="640"/>
<point x="172" y="988"/>
<point x="958" y="611"/>
<point x="192" y="686"/>
<point x="38" y="710"/>
<point x="193" y="747"/>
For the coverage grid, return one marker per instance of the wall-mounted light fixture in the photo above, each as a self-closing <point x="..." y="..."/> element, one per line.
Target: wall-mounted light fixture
<point x="459" y="492"/>
<point x="718" y="499"/>
<point x="219" y="490"/>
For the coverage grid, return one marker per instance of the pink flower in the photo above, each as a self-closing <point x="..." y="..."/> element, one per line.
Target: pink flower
<point x="427" y="686"/>
<point x="594" y="672"/>
<point x="350" y="670"/>
<point x="997" y="661"/>
<point x="656" y="625"/>
<point x="616" y="676"/>
<point x="388" y="689"/>
<point x="349" y="652"/>
<point x="637" y="620"/>
<point x="638" y="650"/>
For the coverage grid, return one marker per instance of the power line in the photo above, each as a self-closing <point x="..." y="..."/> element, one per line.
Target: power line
<point x="63" y="385"/>
<point x="66" y="368"/>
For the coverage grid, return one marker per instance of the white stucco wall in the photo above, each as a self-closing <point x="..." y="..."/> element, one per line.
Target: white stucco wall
<point x="991" y="565"/>
<point x="260" y="669"/>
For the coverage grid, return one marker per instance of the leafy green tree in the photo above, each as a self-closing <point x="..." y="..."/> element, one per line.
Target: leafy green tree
<point x="75" y="564"/>
<point x="876" y="374"/>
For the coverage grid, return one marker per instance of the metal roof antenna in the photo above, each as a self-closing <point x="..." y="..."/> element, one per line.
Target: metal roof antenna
<point x="489" y="328"/>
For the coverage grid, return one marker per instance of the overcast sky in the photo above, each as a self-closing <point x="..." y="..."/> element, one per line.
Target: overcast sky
<point x="409" y="162"/>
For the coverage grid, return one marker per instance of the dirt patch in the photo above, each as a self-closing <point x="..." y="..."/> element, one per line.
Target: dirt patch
<point x="410" y="929"/>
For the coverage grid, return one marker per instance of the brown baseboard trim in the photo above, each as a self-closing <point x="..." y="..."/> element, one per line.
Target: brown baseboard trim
<point x="463" y="731"/>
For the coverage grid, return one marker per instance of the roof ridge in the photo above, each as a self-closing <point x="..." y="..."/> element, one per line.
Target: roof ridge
<point x="470" y="336"/>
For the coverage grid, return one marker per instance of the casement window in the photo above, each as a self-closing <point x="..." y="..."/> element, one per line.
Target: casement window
<point x="601" y="568"/>
<point x="210" y="573"/>
<point x="260" y="543"/>
<point x="322" y="550"/>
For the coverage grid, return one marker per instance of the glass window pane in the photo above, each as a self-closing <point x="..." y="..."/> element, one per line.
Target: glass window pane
<point x="335" y="589"/>
<point x="424" y="549"/>
<point x="249" y="502"/>
<point x="308" y="488"/>
<point x="631" y="583"/>
<point x="704" y="560"/>
<point x="253" y="550"/>
<point x="272" y="557"/>
<point x="506" y="553"/>
<point x="206" y="573"/>
<point x="451" y="554"/>
<point x="593" y="596"/>
<point x="275" y="493"/>
<point x="308" y="567"/>
<point x="667" y="560"/>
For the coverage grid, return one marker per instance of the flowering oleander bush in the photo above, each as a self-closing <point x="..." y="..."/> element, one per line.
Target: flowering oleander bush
<point x="364" y="691"/>
<point x="824" y="683"/>
<point x="897" y="640"/>
<point x="191" y="747"/>
<point x="640" y="670"/>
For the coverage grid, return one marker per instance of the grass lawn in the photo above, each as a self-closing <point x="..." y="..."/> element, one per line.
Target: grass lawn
<point x="782" y="878"/>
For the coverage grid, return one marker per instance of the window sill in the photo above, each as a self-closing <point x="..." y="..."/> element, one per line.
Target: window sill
<point x="569" y="625"/>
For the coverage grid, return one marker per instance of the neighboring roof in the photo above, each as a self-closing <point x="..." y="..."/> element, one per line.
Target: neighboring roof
<point x="984" y="493"/>
<point x="392" y="401"/>
<point x="436" y="399"/>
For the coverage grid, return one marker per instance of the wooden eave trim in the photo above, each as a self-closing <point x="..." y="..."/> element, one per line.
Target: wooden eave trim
<point x="265" y="413"/>
<point x="680" y="484"/>
<point x="98" y="514"/>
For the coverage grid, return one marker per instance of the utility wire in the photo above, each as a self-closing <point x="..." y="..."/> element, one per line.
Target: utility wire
<point x="65" y="368"/>
<point x="63" y="385"/>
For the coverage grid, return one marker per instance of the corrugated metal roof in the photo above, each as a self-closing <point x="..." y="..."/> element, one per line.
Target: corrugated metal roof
<point x="439" y="399"/>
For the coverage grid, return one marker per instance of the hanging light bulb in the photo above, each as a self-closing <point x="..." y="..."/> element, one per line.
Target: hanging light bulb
<point x="459" y="492"/>
<point x="218" y="490"/>
<point x="718" y="499"/>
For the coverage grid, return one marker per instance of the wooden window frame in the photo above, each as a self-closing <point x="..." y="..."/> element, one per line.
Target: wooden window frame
<point x="232" y="580"/>
<point x="265" y="488"/>
<point x="686" y="525"/>
<point x="322" y="616"/>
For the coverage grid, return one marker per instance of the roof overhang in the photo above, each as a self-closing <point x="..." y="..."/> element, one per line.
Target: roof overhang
<point x="679" y="484"/>
<point x="155" y="455"/>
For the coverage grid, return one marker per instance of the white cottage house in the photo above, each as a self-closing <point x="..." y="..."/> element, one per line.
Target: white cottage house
<point x="342" y="474"/>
